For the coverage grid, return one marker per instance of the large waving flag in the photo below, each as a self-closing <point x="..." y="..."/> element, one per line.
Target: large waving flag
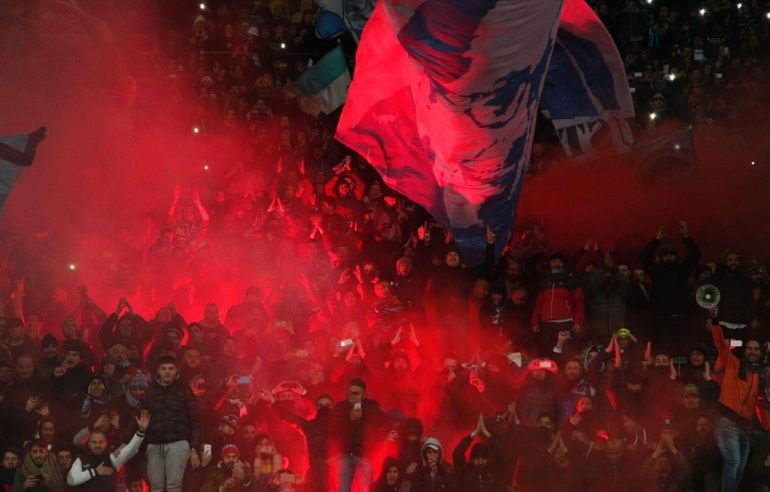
<point x="445" y="94"/>
<point x="586" y="91"/>
<point x="443" y="104"/>
<point x="9" y="171"/>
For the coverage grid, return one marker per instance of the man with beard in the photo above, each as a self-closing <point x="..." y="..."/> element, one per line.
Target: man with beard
<point x="559" y="306"/>
<point x="670" y="284"/>
<point x="39" y="472"/>
<point x="735" y="409"/>
<point x="96" y="467"/>
<point x="735" y="296"/>
<point x="480" y="474"/>
<point x="434" y="473"/>
<point x="230" y="473"/>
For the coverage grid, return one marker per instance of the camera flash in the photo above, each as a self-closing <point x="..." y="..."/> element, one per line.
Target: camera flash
<point x="202" y="6"/>
<point x="677" y="147"/>
<point x="283" y="46"/>
<point x="72" y="266"/>
<point x="196" y="130"/>
<point x="671" y="77"/>
<point x="205" y="167"/>
<point x="702" y="12"/>
<point x="653" y="116"/>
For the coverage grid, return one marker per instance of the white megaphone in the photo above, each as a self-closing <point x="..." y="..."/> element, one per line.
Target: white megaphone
<point x="707" y="296"/>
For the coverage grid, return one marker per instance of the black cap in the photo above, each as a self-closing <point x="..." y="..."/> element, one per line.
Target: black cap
<point x="72" y="346"/>
<point x="49" y="340"/>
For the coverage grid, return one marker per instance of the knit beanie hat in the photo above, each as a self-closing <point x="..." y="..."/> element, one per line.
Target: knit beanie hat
<point x="139" y="380"/>
<point x="229" y="449"/>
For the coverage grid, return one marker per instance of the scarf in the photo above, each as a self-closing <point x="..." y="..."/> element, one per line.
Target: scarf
<point x="50" y="468"/>
<point x="132" y="402"/>
<point x="90" y="401"/>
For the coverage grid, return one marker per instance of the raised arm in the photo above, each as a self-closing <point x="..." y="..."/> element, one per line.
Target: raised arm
<point x="174" y="204"/>
<point x="130" y="450"/>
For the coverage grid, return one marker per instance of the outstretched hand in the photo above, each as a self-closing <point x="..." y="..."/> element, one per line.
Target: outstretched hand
<point x="143" y="420"/>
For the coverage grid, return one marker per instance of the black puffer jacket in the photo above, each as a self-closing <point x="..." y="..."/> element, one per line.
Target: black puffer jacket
<point x="670" y="281"/>
<point x="735" y="302"/>
<point x="175" y="414"/>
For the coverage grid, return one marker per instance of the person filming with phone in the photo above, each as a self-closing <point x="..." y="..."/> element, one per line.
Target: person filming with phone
<point x="358" y="425"/>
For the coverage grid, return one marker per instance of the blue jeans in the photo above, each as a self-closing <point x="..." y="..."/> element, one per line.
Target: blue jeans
<point x="733" y="442"/>
<point x="351" y="467"/>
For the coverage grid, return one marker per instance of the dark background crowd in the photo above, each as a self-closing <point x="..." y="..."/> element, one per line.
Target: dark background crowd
<point x="287" y="322"/>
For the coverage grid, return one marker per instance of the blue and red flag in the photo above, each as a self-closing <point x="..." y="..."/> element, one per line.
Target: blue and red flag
<point x="444" y="100"/>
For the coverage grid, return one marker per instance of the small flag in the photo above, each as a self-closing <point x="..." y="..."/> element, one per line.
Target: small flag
<point x="323" y="87"/>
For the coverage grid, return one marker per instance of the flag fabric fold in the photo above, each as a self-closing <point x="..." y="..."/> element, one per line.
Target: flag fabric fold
<point x="323" y="87"/>
<point x="9" y="172"/>
<point x="586" y="93"/>
<point x="443" y="105"/>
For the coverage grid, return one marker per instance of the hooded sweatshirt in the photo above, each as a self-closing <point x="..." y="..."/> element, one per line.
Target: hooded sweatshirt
<point x="426" y="478"/>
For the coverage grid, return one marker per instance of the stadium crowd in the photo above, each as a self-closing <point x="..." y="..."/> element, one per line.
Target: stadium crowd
<point x="366" y="355"/>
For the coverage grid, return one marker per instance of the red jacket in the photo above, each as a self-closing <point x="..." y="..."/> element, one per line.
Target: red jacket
<point x="559" y="298"/>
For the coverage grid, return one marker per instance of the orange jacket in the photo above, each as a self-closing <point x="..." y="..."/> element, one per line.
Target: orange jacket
<point x="737" y="394"/>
